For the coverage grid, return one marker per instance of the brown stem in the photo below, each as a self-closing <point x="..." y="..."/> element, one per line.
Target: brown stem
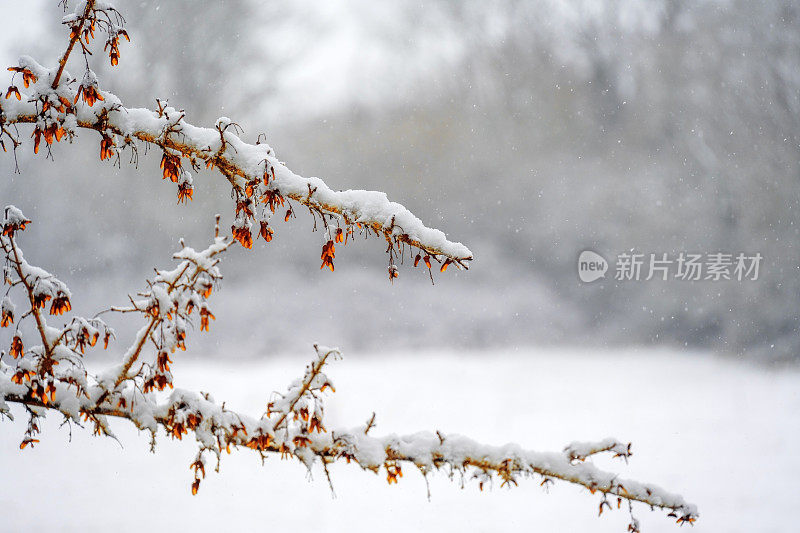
<point x="233" y="172"/>
<point x="31" y="298"/>
<point x="73" y="39"/>
<point x="332" y="452"/>
<point x="142" y="339"/>
<point x="316" y="368"/>
<point x="155" y="321"/>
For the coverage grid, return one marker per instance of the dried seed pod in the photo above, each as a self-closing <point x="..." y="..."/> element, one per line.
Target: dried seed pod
<point x="265" y="231"/>
<point x="13" y="90"/>
<point x="16" y="347"/>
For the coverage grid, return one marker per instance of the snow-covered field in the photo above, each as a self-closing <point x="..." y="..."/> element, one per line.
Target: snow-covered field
<point x="722" y="433"/>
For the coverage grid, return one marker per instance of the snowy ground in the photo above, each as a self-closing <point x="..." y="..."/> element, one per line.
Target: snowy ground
<point x="724" y="434"/>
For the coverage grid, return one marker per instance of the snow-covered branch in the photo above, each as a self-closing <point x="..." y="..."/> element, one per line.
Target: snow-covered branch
<point x="58" y="105"/>
<point x="217" y="429"/>
<point x="53" y="376"/>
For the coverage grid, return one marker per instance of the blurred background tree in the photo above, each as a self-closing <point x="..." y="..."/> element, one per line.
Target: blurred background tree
<point x="549" y="127"/>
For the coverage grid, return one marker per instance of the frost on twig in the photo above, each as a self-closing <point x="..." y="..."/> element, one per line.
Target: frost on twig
<point x="51" y="375"/>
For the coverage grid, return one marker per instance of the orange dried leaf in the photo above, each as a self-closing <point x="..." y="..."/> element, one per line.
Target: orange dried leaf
<point x="60" y="306"/>
<point x="265" y="231"/>
<point x="185" y="191"/>
<point x="13" y="90"/>
<point x="106" y="145"/>
<point x="242" y="235"/>
<point x="16" y="347"/>
<point x="26" y="442"/>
